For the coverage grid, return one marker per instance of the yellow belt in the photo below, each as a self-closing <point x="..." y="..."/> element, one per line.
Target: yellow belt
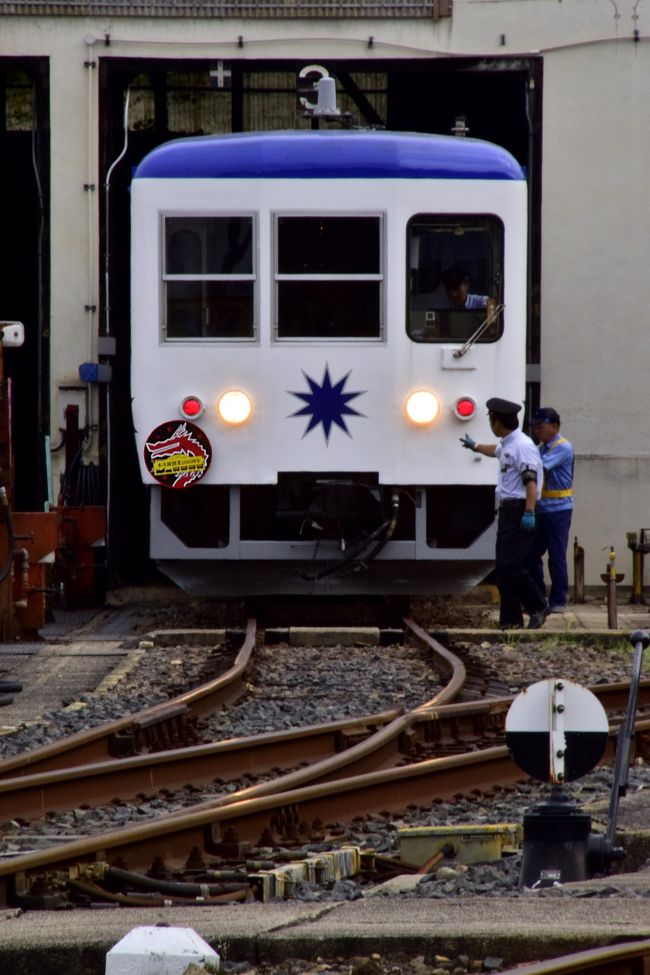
<point x="561" y="493"/>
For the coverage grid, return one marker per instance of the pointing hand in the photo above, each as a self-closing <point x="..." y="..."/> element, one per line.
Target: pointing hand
<point x="468" y="442"/>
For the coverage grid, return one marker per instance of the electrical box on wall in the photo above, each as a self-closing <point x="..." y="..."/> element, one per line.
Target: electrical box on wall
<point x="72" y="395"/>
<point x="13" y="334"/>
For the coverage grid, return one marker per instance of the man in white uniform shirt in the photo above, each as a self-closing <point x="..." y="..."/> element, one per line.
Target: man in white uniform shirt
<point x="519" y="485"/>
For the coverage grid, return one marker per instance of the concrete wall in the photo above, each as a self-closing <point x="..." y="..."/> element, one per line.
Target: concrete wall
<point x="596" y="199"/>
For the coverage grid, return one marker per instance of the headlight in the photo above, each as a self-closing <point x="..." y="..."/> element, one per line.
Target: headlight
<point x="235" y="407"/>
<point x="422" y="407"/>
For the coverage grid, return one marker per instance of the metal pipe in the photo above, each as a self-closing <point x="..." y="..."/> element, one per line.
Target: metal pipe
<point x="578" y="572"/>
<point x="639" y="640"/>
<point x="91" y="307"/>
<point x="637" y="577"/>
<point x="612" y="618"/>
<point x="638" y="548"/>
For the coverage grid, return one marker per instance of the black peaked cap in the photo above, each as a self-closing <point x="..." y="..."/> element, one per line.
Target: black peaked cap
<point x="504" y="406"/>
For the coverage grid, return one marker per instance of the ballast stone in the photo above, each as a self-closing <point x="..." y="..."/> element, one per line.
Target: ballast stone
<point x="153" y="950"/>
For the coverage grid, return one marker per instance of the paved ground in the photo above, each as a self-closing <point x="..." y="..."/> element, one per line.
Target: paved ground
<point x="71" y="655"/>
<point x="595" y="616"/>
<point x="592" y="616"/>
<point x="48" y="943"/>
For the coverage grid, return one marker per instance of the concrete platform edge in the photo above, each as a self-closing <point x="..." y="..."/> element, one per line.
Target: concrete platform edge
<point x="50" y="943"/>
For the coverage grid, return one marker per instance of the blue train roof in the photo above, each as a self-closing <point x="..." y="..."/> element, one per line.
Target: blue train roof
<point x="329" y="155"/>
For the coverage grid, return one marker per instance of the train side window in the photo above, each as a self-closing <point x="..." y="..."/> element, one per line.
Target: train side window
<point x="209" y="277"/>
<point x="329" y="276"/>
<point x="455" y="277"/>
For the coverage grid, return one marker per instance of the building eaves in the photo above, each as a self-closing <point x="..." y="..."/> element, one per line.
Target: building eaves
<point x="223" y="9"/>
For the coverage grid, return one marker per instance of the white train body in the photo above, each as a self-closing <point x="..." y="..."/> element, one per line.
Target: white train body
<point x="303" y="270"/>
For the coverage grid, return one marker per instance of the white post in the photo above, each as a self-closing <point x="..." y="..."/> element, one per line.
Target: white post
<point x="156" y="950"/>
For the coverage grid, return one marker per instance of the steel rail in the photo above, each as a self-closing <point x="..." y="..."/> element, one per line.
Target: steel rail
<point x="366" y="758"/>
<point x="356" y="745"/>
<point x="97" y="744"/>
<point x="280" y="816"/>
<point x="268" y="819"/>
<point x="384" y="740"/>
<point x="447" y="662"/>
<point x="353" y="744"/>
<point x="31" y="796"/>
<point x="323" y="747"/>
<point x="629" y="958"/>
<point x="94" y="744"/>
<point x="252" y="816"/>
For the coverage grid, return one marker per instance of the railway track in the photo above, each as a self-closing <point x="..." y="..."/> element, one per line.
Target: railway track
<point x="61" y="776"/>
<point x="162" y="726"/>
<point x="378" y="764"/>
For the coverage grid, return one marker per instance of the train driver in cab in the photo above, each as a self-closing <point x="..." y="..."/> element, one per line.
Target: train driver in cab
<point x="453" y="291"/>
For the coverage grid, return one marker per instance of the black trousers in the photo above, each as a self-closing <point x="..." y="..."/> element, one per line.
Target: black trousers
<point x="517" y="588"/>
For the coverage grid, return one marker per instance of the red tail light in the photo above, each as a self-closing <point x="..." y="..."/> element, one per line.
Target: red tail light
<point x="465" y="408"/>
<point x="191" y="407"/>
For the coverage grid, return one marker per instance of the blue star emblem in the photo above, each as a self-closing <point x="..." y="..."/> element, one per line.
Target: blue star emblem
<point x="327" y="404"/>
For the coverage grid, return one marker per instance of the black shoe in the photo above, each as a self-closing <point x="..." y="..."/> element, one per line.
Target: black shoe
<point x="537" y="619"/>
<point x="511" y="626"/>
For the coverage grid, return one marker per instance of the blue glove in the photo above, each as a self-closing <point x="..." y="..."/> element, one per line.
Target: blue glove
<point x="527" y="523"/>
<point x="468" y="442"/>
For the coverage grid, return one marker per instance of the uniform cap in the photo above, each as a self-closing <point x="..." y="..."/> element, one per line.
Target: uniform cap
<point x="545" y="414"/>
<point x="503" y="406"/>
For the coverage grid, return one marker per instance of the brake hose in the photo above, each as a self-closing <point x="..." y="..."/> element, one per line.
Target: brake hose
<point x="383" y="532"/>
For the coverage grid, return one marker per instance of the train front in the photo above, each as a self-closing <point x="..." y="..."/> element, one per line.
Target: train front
<point x="317" y="319"/>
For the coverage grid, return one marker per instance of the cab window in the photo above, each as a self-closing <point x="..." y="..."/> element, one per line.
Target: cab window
<point x="328" y="277"/>
<point x="209" y="277"/>
<point x="455" y="277"/>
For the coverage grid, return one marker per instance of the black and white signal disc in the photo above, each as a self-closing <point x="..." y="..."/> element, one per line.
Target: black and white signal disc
<point x="556" y="730"/>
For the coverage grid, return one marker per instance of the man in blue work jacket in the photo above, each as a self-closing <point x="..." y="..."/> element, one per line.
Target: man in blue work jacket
<point x="554" y="508"/>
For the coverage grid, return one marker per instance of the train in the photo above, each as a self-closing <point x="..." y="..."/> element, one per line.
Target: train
<point x="318" y="317"/>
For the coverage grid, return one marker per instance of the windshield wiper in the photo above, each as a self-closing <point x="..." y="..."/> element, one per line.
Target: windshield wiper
<point x="491" y="317"/>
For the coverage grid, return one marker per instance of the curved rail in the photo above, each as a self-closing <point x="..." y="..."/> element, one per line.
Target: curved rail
<point x="277" y="816"/>
<point x="447" y="662"/>
<point x="276" y="819"/>
<point x="361" y="744"/>
<point x="280" y="815"/>
<point x="322" y="751"/>
<point x="31" y="796"/>
<point x="278" y="812"/>
<point x="103" y="742"/>
<point x="160" y="720"/>
<point x="436" y="730"/>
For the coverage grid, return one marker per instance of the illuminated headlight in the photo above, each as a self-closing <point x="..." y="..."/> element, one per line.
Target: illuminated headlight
<point x="422" y="407"/>
<point x="235" y="406"/>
